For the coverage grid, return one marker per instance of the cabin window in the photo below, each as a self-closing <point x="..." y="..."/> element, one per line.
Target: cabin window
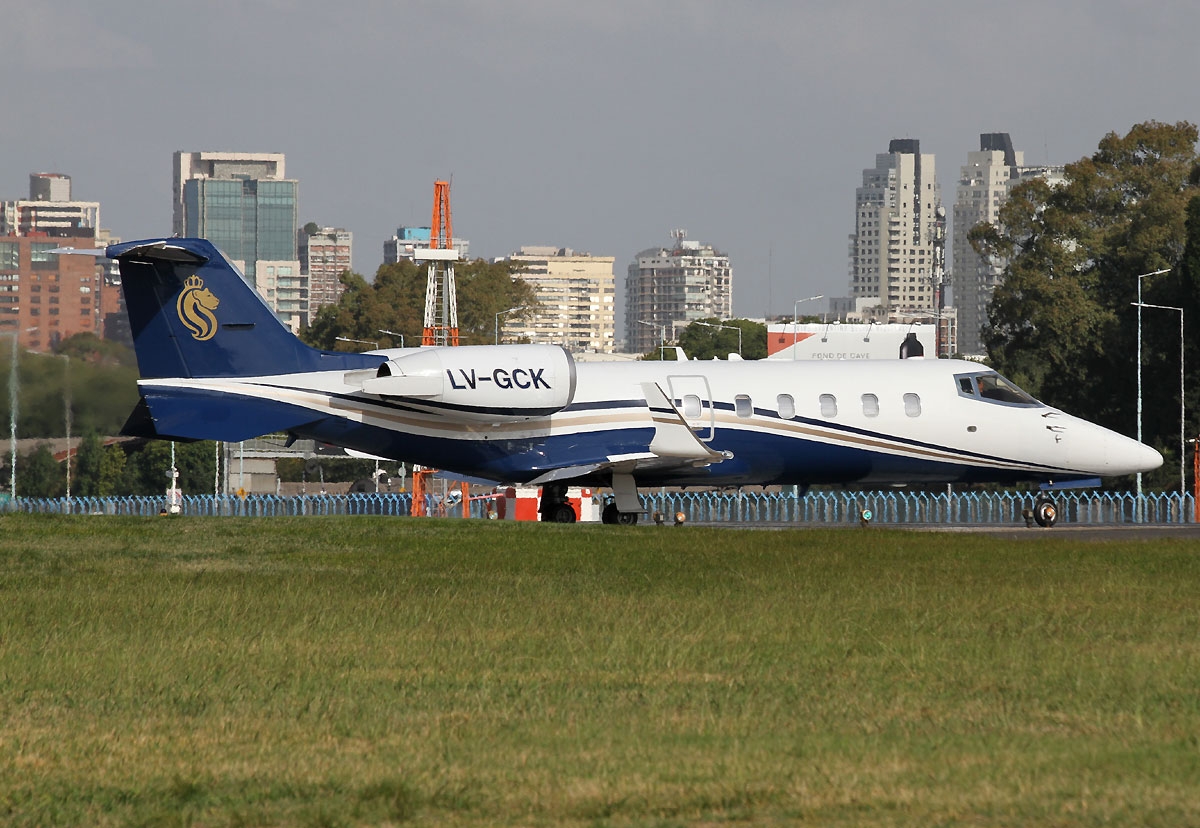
<point x="691" y="406"/>
<point x="912" y="405"/>
<point x="870" y="404"/>
<point x="828" y="406"/>
<point x="786" y="406"/>
<point x="742" y="406"/>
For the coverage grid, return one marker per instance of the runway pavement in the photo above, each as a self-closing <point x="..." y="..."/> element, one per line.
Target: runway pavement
<point x="1113" y="532"/>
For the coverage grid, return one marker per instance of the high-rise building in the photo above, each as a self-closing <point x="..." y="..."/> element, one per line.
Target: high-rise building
<point x="984" y="183"/>
<point x="245" y="205"/>
<point x="325" y="254"/>
<point x="669" y="288"/>
<point x="575" y="294"/>
<point x="893" y="250"/>
<point x="46" y="297"/>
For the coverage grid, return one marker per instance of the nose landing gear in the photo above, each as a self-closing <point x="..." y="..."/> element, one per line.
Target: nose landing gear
<point x="1045" y="511"/>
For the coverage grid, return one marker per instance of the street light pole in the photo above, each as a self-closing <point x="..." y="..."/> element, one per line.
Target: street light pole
<point x="662" y="338"/>
<point x="1182" y="440"/>
<point x="501" y="313"/>
<point x="393" y="333"/>
<point x="360" y="341"/>
<point x="726" y="327"/>
<point x="12" y="423"/>
<point x="67" y="416"/>
<point x="796" y="318"/>
<point x="1138" y="506"/>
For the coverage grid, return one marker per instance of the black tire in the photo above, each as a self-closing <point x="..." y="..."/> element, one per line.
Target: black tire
<point x="1045" y="512"/>
<point x="610" y="515"/>
<point x="627" y="518"/>
<point x="563" y="513"/>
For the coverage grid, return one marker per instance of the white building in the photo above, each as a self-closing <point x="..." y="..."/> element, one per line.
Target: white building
<point x="324" y="256"/>
<point x="50" y="210"/>
<point x="896" y="220"/>
<point x="984" y="183"/>
<point x="836" y="340"/>
<point x="667" y="289"/>
<point x="576" y="295"/>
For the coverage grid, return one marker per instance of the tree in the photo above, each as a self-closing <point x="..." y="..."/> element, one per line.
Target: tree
<point x="103" y="378"/>
<point x="40" y="475"/>
<point x="395" y="301"/>
<point x="89" y="460"/>
<point x="703" y="340"/>
<point x="1061" y="323"/>
<point x="112" y="468"/>
<point x="147" y="470"/>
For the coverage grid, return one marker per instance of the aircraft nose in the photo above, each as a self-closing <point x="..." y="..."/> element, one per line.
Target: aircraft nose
<point x="1130" y="456"/>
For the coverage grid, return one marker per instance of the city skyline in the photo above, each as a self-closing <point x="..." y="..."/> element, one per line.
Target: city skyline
<point x="600" y="128"/>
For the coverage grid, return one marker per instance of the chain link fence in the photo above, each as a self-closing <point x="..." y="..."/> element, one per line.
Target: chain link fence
<point x="814" y="508"/>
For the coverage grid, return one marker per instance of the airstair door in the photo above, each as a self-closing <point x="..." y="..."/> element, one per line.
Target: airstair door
<point x="693" y="398"/>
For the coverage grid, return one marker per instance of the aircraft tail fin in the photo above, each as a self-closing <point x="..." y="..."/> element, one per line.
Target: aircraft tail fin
<point x="193" y="314"/>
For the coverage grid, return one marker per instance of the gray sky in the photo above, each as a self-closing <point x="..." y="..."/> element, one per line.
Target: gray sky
<point x="599" y="126"/>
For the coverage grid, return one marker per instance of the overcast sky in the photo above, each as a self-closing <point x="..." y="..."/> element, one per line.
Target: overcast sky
<point x="599" y="126"/>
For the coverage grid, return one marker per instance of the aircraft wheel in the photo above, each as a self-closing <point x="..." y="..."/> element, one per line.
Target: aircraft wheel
<point x="1045" y="513"/>
<point x="563" y="513"/>
<point x="612" y="514"/>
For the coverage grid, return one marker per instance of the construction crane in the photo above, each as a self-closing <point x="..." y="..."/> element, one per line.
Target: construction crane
<point x="441" y="315"/>
<point x="441" y="302"/>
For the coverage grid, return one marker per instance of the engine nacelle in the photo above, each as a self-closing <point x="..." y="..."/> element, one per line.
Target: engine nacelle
<point x="481" y="382"/>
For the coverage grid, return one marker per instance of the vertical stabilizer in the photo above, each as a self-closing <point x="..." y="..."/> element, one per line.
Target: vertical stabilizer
<point x="193" y="314"/>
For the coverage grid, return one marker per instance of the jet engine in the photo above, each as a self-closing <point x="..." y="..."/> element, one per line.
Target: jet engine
<point x="484" y="382"/>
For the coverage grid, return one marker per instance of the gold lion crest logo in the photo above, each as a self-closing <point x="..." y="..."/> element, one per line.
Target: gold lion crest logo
<point x="195" y="307"/>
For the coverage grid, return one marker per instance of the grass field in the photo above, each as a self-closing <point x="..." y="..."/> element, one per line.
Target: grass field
<point x="364" y="671"/>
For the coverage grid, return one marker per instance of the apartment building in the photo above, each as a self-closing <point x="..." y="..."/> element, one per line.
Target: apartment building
<point x="576" y="295"/>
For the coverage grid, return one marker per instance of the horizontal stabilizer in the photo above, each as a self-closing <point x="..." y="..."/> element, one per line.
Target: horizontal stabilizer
<point x="198" y="414"/>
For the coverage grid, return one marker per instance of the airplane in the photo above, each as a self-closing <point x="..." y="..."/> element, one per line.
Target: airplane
<point x="217" y="364"/>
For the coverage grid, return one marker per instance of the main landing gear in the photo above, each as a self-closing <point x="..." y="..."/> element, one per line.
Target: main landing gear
<point x="612" y="514"/>
<point x="622" y="508"/>
<point x="555" y="507"/>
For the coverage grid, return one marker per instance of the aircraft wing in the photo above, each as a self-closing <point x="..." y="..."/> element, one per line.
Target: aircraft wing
<point x="674" y="446"/>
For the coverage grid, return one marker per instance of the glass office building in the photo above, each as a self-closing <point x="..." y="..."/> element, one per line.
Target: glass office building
<point x="250" y="220"/>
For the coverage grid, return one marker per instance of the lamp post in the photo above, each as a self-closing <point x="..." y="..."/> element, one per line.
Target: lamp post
<point x="796" y="318"/>
<point x="12" y="423"/>
<point x="1182" y="440"/>
<point x="662" y="338"/>
<point x="374" y="345"/>
<point x="393" y="333"/>
<point x="501" y="313"/>
<point x="1138" y="507"/>
<point x="726" y="327"/>
<point x="67" y="416"/>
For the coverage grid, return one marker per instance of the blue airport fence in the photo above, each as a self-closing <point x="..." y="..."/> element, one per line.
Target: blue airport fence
<point x="821" y="508"/>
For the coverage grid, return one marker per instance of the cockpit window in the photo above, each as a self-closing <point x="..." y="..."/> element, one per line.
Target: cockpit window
<point x="992" y="387"/>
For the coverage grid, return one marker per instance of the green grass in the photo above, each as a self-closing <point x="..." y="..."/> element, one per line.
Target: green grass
<point x="365" y="671"/>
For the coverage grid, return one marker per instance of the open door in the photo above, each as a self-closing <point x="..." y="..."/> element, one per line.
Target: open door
<point x="693" y="398"/>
